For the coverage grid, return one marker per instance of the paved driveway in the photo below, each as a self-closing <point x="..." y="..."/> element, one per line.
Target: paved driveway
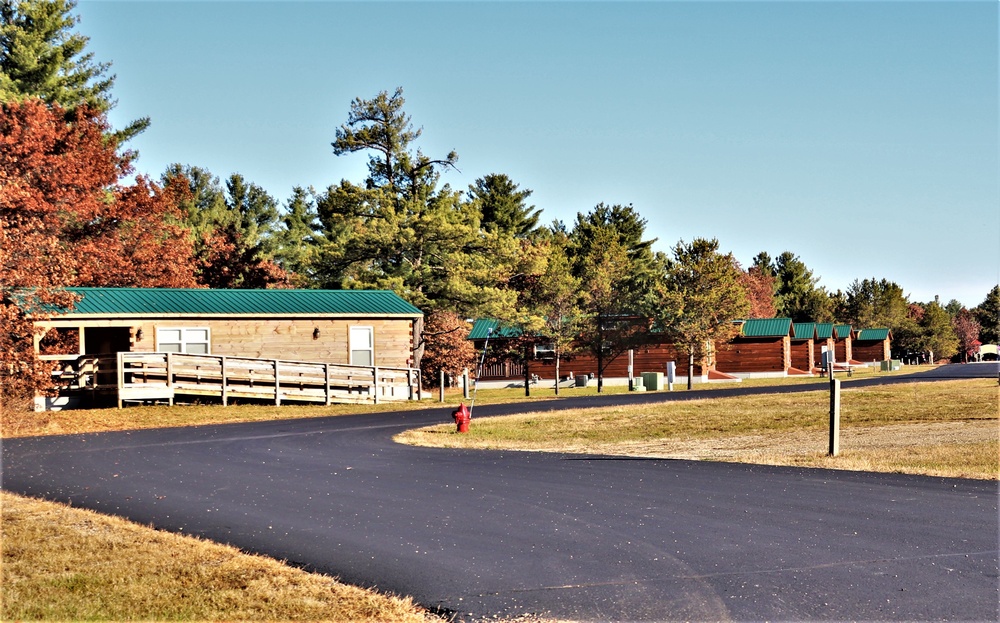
<point x="480" y="534"/>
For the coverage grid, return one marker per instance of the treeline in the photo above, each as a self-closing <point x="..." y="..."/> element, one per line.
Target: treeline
<point x="70" y="217"/>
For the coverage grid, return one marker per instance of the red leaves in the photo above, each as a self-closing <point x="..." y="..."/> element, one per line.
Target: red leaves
<point x="760" y="292"/>
<point x="66" y="220"/>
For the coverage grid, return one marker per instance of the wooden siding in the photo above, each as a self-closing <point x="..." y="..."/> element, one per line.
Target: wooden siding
<point x="818" y="349"/>
<point x="870" y="350"/>
<point x="274" y="338"/>
<point x="843" y="349"/>
<point x="803" y="353"/>
<point x="746" y="355"/>
<point x="651" y="358"/>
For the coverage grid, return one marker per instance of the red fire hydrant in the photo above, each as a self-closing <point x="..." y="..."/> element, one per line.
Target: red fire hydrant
<point x="462" y="418"/>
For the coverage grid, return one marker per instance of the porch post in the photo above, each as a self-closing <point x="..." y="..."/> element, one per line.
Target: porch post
<point x="225" y="386"/>
<point x="326" y="383"/>
<point x="277" y="385"/>
<point x="121" y="375"/>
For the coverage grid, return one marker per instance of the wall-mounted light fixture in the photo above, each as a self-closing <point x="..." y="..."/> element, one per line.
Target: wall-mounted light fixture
<point x="138" y="335"/>
<point x="316" y="333"/>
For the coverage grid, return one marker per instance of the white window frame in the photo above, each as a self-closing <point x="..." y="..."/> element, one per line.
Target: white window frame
<point x="545" y="350"/>
<point x="352" y="347"/>
<point x="185" y="339"/>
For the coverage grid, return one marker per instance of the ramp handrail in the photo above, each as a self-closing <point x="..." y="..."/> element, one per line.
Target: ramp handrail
<point x="143" y="376"/>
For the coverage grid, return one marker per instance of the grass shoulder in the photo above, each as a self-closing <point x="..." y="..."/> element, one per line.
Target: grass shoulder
<point x="68" y="564"/>
<point x="943" y="428"/>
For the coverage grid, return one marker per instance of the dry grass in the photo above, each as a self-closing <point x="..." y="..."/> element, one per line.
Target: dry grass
<point x="946" y="428"/>
<point x="19" y="422"/>
<point x="62" y="563"/>
<point x="23" y="423"/>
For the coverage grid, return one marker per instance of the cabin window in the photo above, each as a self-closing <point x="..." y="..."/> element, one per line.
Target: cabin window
<point x="190" y="340"/>
<point x="545" y="351"/>
<point x="362" y="346"/>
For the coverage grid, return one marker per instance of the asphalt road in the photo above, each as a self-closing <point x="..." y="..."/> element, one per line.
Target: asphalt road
<point x="481" y="534"/>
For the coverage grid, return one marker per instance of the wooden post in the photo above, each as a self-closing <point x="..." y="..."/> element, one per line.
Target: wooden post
<point x="375" y="384"/>
<point x="441" y="385"/>
<point x="326" y="383"/>
<point x="277" y="385"/>
<point x="465" y="384"/>
<point x="834" y="411"/>
<point x="121" y="377"/>
<point x="170" y="377"/>
<point x="225" y="385"/>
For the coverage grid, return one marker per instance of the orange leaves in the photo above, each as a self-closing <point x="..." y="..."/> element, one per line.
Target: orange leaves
<point x="67" y="220"/>
<point x="52" y="160"/>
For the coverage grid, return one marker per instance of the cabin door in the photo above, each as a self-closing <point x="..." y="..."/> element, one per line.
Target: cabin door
<point x="106" y="343"/>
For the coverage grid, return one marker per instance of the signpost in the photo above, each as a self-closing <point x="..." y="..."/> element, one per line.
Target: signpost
<point x="834" y="449"/>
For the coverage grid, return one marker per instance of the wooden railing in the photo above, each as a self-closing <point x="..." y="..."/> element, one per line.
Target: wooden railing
<point x="159" y="376"/>
<point x="502" y="370"/>
<point x="85" y="372"/>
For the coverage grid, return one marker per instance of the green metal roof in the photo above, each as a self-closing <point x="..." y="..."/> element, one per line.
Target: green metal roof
<point x="843" y="330"/>
<point x="804" y="330"/>
<point x="491" y="328"/>
<point x="177" y="301"/>
<point x="875" y="335"/>
<point x="824" y="330"/>
<point x="766" y="327"/>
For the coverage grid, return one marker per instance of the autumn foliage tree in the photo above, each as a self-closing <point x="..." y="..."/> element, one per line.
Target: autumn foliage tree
<point x="759" y="285"/>
<point x="67" y="220"/>
<point x="967" y="331"/>
<point x="445" y="347"/>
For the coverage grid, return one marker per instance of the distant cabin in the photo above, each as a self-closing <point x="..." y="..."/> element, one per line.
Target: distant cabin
<point x="651" y="356"/>
<point x="872" y="345"/>
<point x="843" y="341"/>
<point x="803" y="347"/>
<point x="239" y="332"/>
<point x="762" y="348"/>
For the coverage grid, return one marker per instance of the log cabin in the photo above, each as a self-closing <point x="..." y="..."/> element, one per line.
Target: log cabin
<point x="843" y="337"/>
<point x="803" y="346"/>
<point x="261" y="336"/>
<point x="651" y="356"/>
<point x="825" y="341"/>
<point x="762" y="349"/>
<point x="872" y="345"/>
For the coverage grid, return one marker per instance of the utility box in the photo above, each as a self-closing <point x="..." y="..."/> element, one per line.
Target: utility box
<point x="582" y="380"/>
<point x="653" y="381"/>
<point x="637" y="385"/>
<point x="891" y="365"/>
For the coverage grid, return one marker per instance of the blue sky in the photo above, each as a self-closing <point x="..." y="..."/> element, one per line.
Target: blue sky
<point x="861" y="136"/>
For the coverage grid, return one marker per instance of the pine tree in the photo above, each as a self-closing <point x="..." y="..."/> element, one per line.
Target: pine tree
<point x="503" y="206"/>
<point x="698" y="294"/>
<point x="41" y="56"/>
<point x="987" y="314"/>
<point x="299" y="238"/>
<point x="399" y="230"/>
